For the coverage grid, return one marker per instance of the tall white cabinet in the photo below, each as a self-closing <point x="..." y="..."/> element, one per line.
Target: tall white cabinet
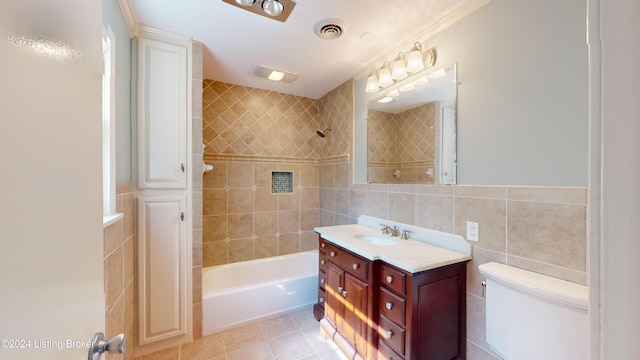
<point x="163" y="187"/>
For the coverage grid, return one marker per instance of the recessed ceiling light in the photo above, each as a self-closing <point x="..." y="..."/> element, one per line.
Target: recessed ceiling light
<point x="275" y="75"/>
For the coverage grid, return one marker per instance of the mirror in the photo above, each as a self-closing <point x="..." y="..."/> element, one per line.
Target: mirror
<point x="411" y="130"/>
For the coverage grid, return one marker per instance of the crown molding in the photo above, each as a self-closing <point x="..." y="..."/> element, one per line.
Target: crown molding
<point x="129" y="17"/>
<point x="455" y="16"/>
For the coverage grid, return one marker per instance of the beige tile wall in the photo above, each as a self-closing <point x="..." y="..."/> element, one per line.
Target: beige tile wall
<point x="244" y="220"/>
<point x="336" y="112"/>
<point x="248" y="134"/>
<point x="198" y="151"/>
<point x="119" y="276"/>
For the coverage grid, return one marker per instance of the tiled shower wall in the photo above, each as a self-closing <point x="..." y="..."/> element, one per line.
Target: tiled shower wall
<point x="119" y="278"/>
<point x="249" y="133"/>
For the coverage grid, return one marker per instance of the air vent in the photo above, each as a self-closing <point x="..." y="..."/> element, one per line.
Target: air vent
<point x="330" y="29"/>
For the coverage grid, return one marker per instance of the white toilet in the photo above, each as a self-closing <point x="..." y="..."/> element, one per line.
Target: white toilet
<point x="530" y="316"/>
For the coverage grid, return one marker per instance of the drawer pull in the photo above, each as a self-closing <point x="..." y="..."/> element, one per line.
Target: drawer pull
<point x="389" y="279"/>
<point x="356" y="266"/>
<point x="323" y="262"/>
<point x="388" y="305"/>
<point x="321" y="299"/>
<point x="333" y="254"/>
<point x="340" y="288"/>
<point x="389" y="334"/>
<point x="323" y="245"/>
<point x="322" y="281"/>
<point x="344" y="294"/>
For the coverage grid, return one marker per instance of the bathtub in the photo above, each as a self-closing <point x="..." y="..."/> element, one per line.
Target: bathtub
<point x="242" y="292"/>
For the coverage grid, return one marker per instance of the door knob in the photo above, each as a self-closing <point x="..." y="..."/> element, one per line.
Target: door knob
<point x="99" y="345"/>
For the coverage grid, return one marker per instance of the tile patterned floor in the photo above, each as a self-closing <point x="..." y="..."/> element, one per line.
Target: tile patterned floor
<point x="294" y="336"/>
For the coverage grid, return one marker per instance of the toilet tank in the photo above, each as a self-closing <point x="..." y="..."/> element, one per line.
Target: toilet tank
<point x="530" y="316"/>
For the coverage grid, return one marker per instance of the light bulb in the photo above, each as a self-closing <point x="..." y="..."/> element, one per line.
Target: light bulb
<point x="272" y="7"/>
<point x="246" y="2"/>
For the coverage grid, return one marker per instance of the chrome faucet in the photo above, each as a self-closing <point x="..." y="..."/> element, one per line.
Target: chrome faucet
<point x="393" y="230"/>
<point x="405" y="234"/>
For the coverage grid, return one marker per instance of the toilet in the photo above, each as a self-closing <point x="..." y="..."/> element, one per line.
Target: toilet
<point x="530" y="316"/>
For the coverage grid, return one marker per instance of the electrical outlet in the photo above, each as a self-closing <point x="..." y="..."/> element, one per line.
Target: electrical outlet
<point x="472" y="231"/>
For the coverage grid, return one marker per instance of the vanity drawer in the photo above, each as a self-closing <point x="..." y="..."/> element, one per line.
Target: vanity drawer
<point x="321" y="297"/>
<point x="393" y="279"/>
<point x="322" y="279"/>
<point x="354" y="264"/>
<point x="385" y="352"/>
<point x="322" y="260"/>
<point x="392" y="335"/>
<point x="392" y="306"/>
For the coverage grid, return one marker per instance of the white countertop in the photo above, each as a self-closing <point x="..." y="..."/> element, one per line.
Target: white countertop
<point x="412" y="255"/>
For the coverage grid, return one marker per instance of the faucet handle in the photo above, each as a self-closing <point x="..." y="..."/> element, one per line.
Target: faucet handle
<point x="385" y="228"/>
<point x="405" y="234"/>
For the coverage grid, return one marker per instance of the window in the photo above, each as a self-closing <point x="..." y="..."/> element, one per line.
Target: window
<point x="108" y="124"/>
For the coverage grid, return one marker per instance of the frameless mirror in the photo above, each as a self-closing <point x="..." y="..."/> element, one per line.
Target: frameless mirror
<point x="411" y="130"/>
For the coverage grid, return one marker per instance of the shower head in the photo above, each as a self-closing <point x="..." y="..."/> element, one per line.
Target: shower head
<point x="321" y="133"/>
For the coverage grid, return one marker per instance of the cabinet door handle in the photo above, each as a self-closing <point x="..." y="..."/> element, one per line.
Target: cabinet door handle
<point x="356" y="266"/>
<point x="181" y="216"/>
<point x="182" y="167"/>
<point x="333" y="254"/>
<point x="323" y="245"/>
<point x="322" y="281"/>
<point x="389" y="334"/>
<point x="340" y="288"/>
<point x="389" y="279"/>
<point x="388" y="305"/>
<point x="321" y="299"/>
<point x="344" y="294"/>
<point x="323" y="262"/>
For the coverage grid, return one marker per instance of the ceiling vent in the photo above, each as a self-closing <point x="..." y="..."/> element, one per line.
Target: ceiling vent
<point x="330" y="29"/>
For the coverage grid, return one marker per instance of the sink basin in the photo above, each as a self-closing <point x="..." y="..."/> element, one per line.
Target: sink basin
<point x="376" y="239"/>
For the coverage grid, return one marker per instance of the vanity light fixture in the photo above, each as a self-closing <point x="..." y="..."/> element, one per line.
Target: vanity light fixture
<point x="372" y="82"/>
<point x="399" y="68"/>
<point x="384" y="79"/>
<point x="415" y="62"/>
<point x="273" y="9"/>
<point x="386" y="99"/>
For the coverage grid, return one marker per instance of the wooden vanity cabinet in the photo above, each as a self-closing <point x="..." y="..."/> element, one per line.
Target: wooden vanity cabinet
<point x="374" y="310"/>
<point x="421" y="315"/>
<point x="347" y="304"/>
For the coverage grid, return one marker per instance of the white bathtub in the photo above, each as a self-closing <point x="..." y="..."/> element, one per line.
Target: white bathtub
<point x="242" y="292"/>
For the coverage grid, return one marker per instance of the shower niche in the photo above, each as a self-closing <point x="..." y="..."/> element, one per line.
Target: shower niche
<point x="281" y="182"/>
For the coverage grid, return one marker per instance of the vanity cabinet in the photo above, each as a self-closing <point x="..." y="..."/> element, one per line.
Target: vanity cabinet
<point x="347" y="305"/>
<point x="421" y="315"/>
<point x="374" y="310"/>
